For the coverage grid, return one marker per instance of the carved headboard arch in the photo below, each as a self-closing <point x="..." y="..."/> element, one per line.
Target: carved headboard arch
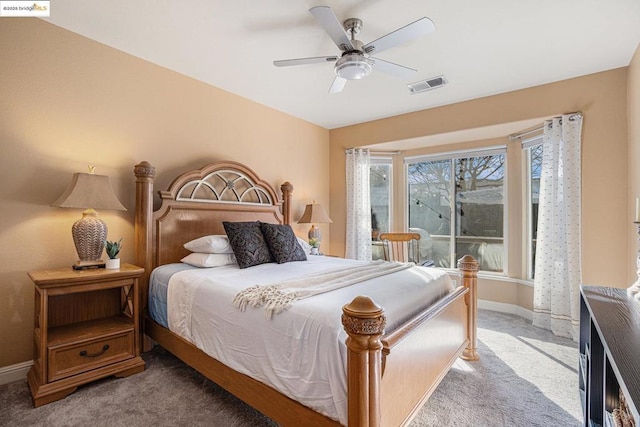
<point x="222" y="182"/>
<point x="196" y="203"/>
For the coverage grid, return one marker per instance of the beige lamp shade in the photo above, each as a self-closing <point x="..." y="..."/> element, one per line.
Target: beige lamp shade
<point x="90" y="192"/>
<point x="314" y="214"/>
<point x="87" y="190"/>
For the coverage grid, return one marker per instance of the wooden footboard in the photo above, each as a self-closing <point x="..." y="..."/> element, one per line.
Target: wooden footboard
<point x="389" y="376"/>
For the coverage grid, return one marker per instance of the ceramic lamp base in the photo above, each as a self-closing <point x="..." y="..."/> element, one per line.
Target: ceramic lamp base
<point x="89" y="233"/>
<point x="314" y="233"/>
<point x="315" y="237"/>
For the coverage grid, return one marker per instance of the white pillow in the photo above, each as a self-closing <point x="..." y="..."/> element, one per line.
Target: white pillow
<point x="214" y="244"/>
<point x="306" y="247"/>
<point x="209" y="260"/>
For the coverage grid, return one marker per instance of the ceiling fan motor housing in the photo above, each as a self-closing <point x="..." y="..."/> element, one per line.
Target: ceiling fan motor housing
<point x="353" y="65"/>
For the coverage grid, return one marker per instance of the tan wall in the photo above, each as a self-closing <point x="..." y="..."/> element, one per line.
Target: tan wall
<point x="506" y="292"/>
<point x="633" y="99"/>
<point x="67" y="102"/>
<point x="602" y="99"/>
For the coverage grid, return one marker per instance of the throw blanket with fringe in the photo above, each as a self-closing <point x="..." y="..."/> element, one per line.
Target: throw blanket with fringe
<point x="280" y="296"/>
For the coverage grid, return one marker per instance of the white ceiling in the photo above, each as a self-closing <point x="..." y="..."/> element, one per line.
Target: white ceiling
<point x="481" y="47"/>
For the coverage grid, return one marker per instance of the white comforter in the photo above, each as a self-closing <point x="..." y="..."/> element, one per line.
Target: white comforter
<point x="301" y="351"/>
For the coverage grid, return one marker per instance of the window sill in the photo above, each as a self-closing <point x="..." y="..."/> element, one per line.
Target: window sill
<point x="494" y="276"/>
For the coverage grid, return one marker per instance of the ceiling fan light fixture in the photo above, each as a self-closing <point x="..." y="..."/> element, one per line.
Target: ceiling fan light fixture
<point x="353" y="66"/>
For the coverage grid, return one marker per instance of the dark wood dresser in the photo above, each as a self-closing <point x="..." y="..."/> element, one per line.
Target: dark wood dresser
<point x="609" y="368"/>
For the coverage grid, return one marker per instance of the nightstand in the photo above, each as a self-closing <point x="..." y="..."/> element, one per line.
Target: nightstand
<point x="86" y="327"/>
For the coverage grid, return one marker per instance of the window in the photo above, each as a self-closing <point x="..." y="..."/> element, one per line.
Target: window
<point x="456" y="202"/>
<point x="380" y="174"/>
<point x="380" y="195"/>
<point x="533" y="158"/>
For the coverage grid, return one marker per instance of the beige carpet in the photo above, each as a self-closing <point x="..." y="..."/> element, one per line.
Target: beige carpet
<point x="526" y="377"/>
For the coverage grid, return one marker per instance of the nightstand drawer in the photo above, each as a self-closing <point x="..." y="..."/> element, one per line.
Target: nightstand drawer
<point x="73" y="358"/>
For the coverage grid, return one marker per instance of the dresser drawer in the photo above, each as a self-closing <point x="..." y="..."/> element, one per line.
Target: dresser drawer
<point x="77" y="357"/>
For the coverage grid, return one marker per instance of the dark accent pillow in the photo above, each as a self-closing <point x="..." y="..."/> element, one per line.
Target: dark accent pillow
<point x="248" y="243"/>
<point x="282" y="243"/>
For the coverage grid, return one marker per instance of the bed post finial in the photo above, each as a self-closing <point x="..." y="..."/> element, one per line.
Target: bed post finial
<point x="145" y="174"/>
<point x="144" y="169"/>
<point x="364" y="322"/>
<point x="469" y="268"/>
<point x="286" y="189"/>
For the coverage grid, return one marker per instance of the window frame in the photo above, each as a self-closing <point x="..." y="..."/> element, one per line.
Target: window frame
<point x="527" y="145"/>
<point x="452" y="156"/>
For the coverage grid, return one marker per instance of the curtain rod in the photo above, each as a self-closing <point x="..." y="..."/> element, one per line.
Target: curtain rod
<point x="383" y="153"/>
<point x="375" y="153"/>
<point x="519" y="135"/>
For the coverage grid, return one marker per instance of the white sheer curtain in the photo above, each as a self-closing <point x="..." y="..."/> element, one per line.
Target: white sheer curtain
<point x="558" y="272"/>
<point x="358" y="243"/>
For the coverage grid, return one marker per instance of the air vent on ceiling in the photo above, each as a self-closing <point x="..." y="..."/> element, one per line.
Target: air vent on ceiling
<point x="428" y="84"/>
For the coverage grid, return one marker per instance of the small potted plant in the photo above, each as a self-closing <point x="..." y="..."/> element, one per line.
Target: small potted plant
<point x="113" y="249"/>
<point x="315" y="245"/>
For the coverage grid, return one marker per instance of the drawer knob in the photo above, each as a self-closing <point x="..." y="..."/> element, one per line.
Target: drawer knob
<point x="84" y="353"/>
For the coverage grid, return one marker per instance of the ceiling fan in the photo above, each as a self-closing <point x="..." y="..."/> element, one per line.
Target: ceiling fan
<point x="355" y="61"/>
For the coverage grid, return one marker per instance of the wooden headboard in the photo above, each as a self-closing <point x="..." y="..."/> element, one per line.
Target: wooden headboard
<point x="195" y="204"/>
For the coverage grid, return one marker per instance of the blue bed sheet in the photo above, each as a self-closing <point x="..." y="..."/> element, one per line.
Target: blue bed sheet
<point x="158" y="284"/>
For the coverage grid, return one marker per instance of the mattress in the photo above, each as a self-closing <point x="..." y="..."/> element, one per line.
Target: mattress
<point x="300" y="352"/>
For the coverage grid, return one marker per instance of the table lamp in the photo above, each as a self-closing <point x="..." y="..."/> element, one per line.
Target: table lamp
<point x="89" y="191"/>
<point x="314" y="214"/>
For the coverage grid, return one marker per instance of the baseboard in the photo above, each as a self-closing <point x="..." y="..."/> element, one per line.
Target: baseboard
<point x="13" y="373"/>
<point x="506" y="308"/>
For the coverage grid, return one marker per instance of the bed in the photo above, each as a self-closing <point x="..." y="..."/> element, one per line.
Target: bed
<point x="388" y="373"/>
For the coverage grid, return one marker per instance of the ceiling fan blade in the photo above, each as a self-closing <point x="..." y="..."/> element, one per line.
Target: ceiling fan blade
<point x="421" y="27"/>
<point x="332" y="26"/>
<point x="392" y="68"/>
<point x="337" y="85"/>
<point x="302" y="61"/>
